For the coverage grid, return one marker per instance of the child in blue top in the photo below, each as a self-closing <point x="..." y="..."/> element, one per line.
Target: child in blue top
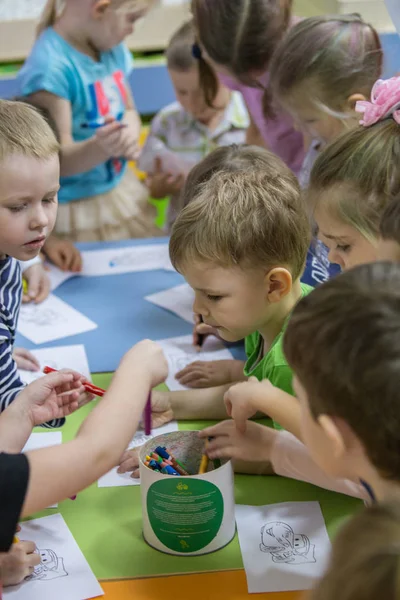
<point x="78" y="70"/>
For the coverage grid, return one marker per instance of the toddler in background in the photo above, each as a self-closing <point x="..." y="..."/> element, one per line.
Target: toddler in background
<point x="184" y="132"/>
<point x="78" y="69"/>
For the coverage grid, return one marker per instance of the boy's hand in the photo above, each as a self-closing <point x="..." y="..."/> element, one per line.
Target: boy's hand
<point x="51" y="397"/>
<point x="130" y="141"/>
<point x="25" y="360"/>
<point x="38" y="284"/>
<point x="254" y="445"/>
<point x="202" y="374"/>
<point x="63" y="254"/>
<point x="18" y="563"/>
<point x="243" y="400"/>
<point x="161" y="184"/>
<point x="130" y="462"/>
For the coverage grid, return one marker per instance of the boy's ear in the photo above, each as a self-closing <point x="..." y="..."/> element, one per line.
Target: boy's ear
<point x="279" y="283"/>
<point x="353" y="99"/>
<point x="334" y="434"/>
<point x="99" y="8"/>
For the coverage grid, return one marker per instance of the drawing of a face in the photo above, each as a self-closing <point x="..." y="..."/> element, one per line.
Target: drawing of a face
<point x="50" y="567"/>
<point x="285" y="546"/>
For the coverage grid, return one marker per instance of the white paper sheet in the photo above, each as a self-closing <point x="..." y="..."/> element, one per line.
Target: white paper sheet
<point x="114" y="479"/>
<point x="180" y="352"/>
<point x="43" y="440"/>
<point x="63" y="572"/>
<point x="125" y="260"/>
<point x="285" y="547"/>
<point x="60" y="357"/>
<point x="57" y="277"/>
<point x="51" y="320"/>
<point x="178" y="300"/>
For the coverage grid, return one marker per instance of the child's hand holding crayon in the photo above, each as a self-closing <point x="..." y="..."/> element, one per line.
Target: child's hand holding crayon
<point x="18" y="563"/>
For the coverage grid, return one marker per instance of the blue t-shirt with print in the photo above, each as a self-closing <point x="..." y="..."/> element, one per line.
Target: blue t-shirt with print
<point x="318" y="268"/>
<point x="94" y="90"/>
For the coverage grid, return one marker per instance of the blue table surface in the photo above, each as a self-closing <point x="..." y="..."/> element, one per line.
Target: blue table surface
<point x="116" y="303"/>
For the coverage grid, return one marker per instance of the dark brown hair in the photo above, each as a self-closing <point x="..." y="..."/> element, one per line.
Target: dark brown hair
<point x="249" y="217"/>
<point x="241" y="35"/>
<point x="343" y="343"/>
<point x="390" y="222"/>
<point x="365" y="559"/>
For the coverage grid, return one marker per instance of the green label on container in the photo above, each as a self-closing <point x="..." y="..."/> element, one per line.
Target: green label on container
<point x="185" y="515"/>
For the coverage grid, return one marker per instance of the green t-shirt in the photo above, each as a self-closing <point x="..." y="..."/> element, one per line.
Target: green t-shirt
<point x="273" y="365"/>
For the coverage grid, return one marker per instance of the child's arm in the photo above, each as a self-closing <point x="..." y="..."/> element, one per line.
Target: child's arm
<point x="62" y="471"/>
<point x="79" y="157"/>
<point x="244" y="400"/>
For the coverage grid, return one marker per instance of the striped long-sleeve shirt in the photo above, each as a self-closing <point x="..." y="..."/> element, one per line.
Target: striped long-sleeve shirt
<point x="10" y="302"/>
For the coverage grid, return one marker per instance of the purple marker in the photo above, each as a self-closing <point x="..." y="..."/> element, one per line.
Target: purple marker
<point x="147" y="416"/>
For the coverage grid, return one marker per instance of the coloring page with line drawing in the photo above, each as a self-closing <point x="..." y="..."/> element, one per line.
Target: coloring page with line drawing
<point x="285" y="547"/>
<point x="178" y="300"/>
<point x="114" y="479"/>
<point x="180" y="352"/>
<point x="51" y="320"/>
<point x="60" y="357"/>
<point x="115" y="261"/>
<point x="63" y="572"/>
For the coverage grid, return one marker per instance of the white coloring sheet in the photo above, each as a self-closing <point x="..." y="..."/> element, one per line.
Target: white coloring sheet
<point x="52" y="320"/>
<point x="116" y="261"/>
<point x="63" y="573"/>
<point x="61" y="357"/>
<point x="178" y="300"/>
<point x="285" y="547"/>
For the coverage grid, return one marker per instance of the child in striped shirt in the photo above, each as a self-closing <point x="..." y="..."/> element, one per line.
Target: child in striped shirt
<point x="184" y="132"/>
<point x="29" y="182"/>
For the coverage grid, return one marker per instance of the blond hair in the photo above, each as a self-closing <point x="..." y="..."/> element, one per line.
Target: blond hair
<point x="365" y="559"/>
<point x="24" y="131"/>
<point x="327" y="59"/>
<point x="52" y="11"/>
<point x="250" y="219"/>
<point x="356" y="176"/>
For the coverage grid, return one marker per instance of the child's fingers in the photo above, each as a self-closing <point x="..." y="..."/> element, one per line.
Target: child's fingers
<point x="26" y="299"/>
<point x="75" y="263"/>
<point x="28" y="547"/>
<point x="220" y="429"/>
<point x="135" y="474"/>
<point x="44" y="289"/>
<point x="129" y="462"/>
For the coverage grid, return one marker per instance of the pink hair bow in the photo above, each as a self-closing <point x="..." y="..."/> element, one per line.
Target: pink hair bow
<point x="385" y="102"/>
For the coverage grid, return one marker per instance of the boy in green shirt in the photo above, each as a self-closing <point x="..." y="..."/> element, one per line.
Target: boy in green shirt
<point x="241" y="244"/>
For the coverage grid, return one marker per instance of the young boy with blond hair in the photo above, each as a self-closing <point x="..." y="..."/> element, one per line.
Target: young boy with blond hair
<point x="342" y="343"/>
<point x="29" y="183"/>
<point x="241" y="244"/>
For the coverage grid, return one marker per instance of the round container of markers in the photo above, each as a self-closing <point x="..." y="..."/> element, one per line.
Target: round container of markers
<point x="188" y="501"/>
